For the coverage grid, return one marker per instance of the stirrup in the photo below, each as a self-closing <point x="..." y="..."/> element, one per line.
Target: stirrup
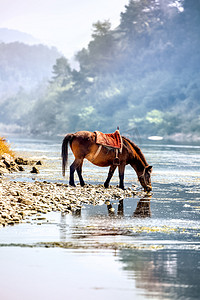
<point x="116" y="161"/>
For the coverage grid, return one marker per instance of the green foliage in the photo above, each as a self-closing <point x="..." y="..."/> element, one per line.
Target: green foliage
<point x="143" y="75"/>
<point x="101" y="29"/>
<point x="155" y="116"/>
<point x="61" y="71"/>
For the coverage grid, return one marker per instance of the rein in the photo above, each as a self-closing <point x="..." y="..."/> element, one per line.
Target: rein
<point x="143" y="177"/>
<point x="140" y="155"/>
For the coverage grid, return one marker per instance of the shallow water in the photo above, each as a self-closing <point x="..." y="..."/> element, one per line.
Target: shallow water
<point x="147" y="248"/>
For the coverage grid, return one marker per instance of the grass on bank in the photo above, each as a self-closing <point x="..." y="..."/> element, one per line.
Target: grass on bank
<point x="5" y="147"/>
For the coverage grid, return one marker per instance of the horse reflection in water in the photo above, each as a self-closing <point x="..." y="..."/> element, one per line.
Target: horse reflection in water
<point x="142" y="210"/>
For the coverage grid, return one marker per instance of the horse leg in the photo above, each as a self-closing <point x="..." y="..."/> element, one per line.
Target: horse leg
<point x="79" y="172"/>
<point x="110" y="175"/>
<point x="120" y="210"/>
<point x="121" y="169"/>
<point x="74" y="166"/>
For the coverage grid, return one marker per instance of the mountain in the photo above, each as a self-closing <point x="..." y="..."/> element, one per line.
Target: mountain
<point x="24" y="66"/>
<point x="11" y="35"/>
<point x="143" y="76"/>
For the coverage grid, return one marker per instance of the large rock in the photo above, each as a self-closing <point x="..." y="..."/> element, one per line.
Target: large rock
<point x="35" y="170"/>
<point x="8" y="164"/>
<point x="21" y="161"/>
<point x="7" y="159"/>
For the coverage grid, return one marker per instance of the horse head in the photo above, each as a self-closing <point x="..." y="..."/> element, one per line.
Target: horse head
<point x="145" y="178"/>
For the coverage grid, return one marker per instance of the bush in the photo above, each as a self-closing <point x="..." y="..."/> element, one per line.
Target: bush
<point x="5" y="147"/>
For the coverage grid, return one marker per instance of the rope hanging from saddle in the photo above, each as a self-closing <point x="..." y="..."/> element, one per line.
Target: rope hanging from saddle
<point x="111" y="141"/>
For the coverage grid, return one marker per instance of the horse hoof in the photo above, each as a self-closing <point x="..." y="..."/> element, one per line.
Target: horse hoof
<point x="122" y="187"/>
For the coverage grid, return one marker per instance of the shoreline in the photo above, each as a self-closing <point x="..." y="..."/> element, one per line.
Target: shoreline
<point x="19" y="200"/>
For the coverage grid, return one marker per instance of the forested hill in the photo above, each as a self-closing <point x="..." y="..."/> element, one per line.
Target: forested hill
<point x="22" y="65"/>
<point x="144" y="76"/>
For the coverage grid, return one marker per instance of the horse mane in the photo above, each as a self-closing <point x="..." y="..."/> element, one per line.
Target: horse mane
<point x="137" y="150"/>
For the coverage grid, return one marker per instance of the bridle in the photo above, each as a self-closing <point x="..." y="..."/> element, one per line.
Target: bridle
<point x="142" y="176"/>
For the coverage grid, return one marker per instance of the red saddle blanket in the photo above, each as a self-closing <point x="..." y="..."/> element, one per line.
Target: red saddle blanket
<point x="113" y="140"/>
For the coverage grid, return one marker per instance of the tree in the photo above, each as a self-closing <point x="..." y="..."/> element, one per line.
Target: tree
<point x="62" y="71"/>
<point x="144" y="74"/>
<point x="101" y="28"/>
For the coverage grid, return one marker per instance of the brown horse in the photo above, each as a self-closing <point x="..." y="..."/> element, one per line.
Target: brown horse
<point x="83" y="145"/>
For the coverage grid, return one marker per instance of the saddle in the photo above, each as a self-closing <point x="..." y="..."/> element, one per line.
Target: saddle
<point x="110" y="140"/>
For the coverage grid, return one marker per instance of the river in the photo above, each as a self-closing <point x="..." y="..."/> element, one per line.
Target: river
<point x="148" y="248"/>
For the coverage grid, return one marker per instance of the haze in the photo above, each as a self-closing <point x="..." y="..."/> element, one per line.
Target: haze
<point x="66" y="24"/>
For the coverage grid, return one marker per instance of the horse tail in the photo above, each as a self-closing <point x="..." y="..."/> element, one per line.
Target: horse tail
<point x="64" y="153"/>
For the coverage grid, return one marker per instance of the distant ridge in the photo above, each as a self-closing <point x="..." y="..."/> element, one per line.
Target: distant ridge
<point x="11" y="35"/>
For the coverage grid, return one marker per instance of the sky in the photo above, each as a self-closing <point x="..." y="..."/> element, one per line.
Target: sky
<point x="65" y="24"/>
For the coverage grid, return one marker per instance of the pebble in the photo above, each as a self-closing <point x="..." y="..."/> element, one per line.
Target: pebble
<point x="35" y="170"/>
<point x="11" y="164"/>
<point x="21" y="199"/>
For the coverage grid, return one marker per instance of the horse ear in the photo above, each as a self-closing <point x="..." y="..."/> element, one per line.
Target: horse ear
<point x="149" y="168"/>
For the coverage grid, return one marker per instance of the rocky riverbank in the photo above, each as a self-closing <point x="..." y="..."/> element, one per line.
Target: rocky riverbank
<point x="9" y="164"/>
<point x="18" y="200"/>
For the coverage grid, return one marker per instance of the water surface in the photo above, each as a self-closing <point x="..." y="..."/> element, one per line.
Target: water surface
<point x="144" y="248"/>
